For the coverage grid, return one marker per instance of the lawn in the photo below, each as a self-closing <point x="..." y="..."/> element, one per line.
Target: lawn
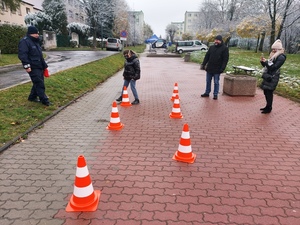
<point x="289" y="84"/>
<point x="18" y="115"/>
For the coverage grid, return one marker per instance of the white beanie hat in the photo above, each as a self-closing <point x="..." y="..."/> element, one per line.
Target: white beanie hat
<point x="277" y="45"/>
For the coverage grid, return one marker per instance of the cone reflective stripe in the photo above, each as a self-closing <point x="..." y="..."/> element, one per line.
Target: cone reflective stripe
<point x="125" y="98"/>
<point x="176" y="113"/>
<point x="115" y="122"/>
<point x="184" y="152"/>
<point x="175" y="92"/>
<point x="84" y="198"/>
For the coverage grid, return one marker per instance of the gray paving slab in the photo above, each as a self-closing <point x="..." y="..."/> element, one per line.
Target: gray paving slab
<point x="246" y="170"/>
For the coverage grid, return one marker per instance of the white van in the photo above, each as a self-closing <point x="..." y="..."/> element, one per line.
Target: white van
<point x="114" y="44"/>
<point x="189" y="46"/>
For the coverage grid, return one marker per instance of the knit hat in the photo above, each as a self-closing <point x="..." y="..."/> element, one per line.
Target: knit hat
<point x="219" y="37"/>
<point x="32" y="30"/>
<point x="277" y="45"/>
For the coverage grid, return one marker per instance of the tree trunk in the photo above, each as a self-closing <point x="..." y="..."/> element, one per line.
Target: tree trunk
<point x="256" y="48"/>
<point x="261" y="44"/>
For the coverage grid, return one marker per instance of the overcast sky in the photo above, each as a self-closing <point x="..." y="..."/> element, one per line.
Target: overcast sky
<point x="159" y="13"/>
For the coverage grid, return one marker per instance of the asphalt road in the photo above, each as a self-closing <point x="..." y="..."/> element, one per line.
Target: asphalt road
<point x="56" y="60"/>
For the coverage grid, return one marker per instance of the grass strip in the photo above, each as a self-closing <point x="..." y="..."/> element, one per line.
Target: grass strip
<point x="17" y="115"/>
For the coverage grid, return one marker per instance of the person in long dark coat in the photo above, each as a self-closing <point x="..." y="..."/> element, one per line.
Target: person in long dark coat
<point x="271" y="73"/>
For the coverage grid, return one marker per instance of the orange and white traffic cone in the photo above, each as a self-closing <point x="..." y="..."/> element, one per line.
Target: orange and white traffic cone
<point x="176" y="113"/>
<point x="125" y="98"/>
<point x="115" y="123"/>
<point x="175" y="92"/>
<point x="84" y="198"/>
<point x="184" y="152"/>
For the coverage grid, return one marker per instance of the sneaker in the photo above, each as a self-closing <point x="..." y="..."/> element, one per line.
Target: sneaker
<point x="205" y="95"/>
<point x="215" y="97"/>
<point x="119" y="99"/>
<point x="135" y="102"/>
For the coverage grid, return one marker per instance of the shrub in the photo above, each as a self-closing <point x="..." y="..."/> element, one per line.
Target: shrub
<point x="73" y="43"/>
<point x="10" y="36"/>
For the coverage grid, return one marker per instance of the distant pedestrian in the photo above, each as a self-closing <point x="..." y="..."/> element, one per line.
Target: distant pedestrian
<point x="30" y="53"/>
<point x="132" y="72"/>
<point x="271" y="73"/>
<point x="215" y="62"/>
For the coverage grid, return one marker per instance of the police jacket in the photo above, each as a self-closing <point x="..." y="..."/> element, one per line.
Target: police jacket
<point x="216" y="59"/>
<point x="132" y="68"/>
<point x="271" y="72"/>
<point x="30" y="53"/>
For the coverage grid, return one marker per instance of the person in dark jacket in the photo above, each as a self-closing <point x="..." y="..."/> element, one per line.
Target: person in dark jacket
<point x="271" y="73"/>
<point x="215" y="62"/>
<point x="132" y="72"/>
<point x="31" y="56"/>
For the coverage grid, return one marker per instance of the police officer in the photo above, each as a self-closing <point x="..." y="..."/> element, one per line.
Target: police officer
<point x="30" y="53"/>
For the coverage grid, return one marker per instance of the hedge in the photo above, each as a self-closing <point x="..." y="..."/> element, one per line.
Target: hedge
<point x="10" y="36"/>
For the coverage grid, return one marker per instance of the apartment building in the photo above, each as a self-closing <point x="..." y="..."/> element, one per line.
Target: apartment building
<point x="75" y="11"/>
<point x="8" y="16"/>
<point x="191" y="21"/>
<point x="136" y="23"/>
<point x="180" y="30"/>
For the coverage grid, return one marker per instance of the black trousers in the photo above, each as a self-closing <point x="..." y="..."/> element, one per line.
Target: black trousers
<point x="38" y="85"/>
<point x="269" y="98"/>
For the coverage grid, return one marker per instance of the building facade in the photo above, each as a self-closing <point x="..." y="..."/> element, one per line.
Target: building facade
<point x="75" y="11"/>
<point x="136" y="29"/>
<point x="191" y="19"/>
<point x="7" y="16"/>
<point x="180" y="30"/>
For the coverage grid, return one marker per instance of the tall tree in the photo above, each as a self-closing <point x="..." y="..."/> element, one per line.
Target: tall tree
<point x="56" y="10"/>
<point x="120" y="17"/>
<point x="12" y="4"/>
<point x="100" y="17"/>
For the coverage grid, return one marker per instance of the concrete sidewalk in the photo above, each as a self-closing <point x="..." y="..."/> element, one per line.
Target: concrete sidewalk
<point x="246" y="170"/>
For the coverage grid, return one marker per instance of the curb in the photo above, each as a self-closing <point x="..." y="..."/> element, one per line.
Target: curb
<point x="5" y="69"/>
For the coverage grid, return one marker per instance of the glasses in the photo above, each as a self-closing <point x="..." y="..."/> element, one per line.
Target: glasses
<point x="126" y="55"/>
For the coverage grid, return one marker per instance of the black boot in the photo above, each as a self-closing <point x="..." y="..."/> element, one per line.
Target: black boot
<point x="135" y="102"/>
<point x="266" y="110"/>
<point x="263" y="108"/>
<point x="119" y="99"/>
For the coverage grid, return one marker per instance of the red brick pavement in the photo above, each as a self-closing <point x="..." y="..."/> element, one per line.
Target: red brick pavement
<point x="246" y="171"/>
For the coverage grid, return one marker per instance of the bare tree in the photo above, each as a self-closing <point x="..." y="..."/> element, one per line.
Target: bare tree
<point x="100" y="17"/>
<point x="171" y="30"/>
<point x="120" y="17"/>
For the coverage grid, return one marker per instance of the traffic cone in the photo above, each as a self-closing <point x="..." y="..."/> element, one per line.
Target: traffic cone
<point x="84" y="198"/>
<point x="176" y="113"/>
<point x="184" y="152"/>
<point x="115" y="123"/>
<point x="175" y="92"/>
<point x="125" y="98"/>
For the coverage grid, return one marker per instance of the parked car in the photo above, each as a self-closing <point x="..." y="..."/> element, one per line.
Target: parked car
<point x="160" y="43"/>
<point x="189" y="46"/>
<point x="114" y="44"/>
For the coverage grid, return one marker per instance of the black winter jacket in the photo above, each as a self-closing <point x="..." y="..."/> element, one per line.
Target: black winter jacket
<point x="272" y="73"/>
<point x="30" y="53"/>
<point x="132" y="68"/>
<point x="216" y="59"/>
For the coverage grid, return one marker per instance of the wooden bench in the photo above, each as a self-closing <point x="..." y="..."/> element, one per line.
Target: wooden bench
<point x="247" y="70"/>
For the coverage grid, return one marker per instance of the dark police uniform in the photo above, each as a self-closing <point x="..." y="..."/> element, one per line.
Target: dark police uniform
<point x="30" y="53"/>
